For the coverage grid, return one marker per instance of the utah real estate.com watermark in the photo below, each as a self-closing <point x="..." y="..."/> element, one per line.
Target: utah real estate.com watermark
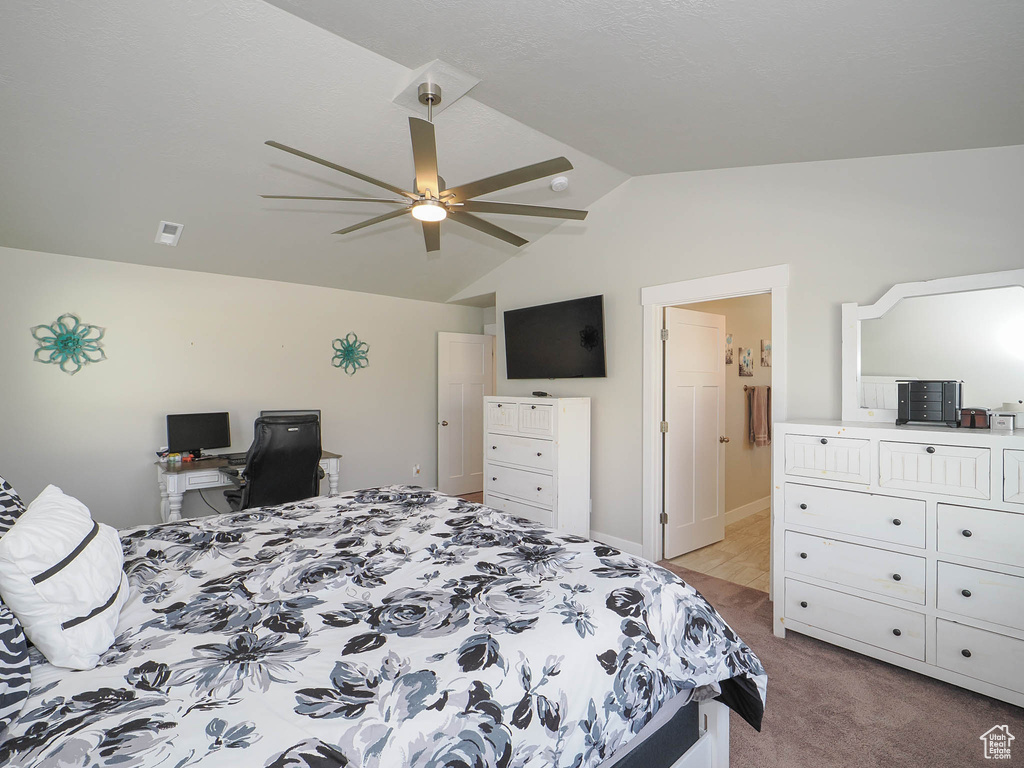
<point x="997" y="742"/>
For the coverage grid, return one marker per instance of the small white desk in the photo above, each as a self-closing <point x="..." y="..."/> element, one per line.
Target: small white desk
<point x="176" y="480"/>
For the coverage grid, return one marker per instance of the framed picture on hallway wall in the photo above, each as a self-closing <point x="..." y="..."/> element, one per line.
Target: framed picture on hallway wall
<point x="728" y="349"/>
<point x="766" y="353"/>
<point x="746" y="361"/>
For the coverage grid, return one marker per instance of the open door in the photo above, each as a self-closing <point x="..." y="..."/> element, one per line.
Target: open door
<point x="465" y="375"/>
<point x="694" y="450"/>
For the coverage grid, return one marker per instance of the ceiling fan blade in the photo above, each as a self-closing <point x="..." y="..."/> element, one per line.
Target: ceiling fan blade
<point x="508" y="179"/>
<point x="486" y="206"/>
<point x="371" y="222"/>
<point x="336" y="167"/>
<point x="339" y="199"/>
<point x="432" y="235"/>
<point x="487" y="228"/>
<point x="424" y="155"/>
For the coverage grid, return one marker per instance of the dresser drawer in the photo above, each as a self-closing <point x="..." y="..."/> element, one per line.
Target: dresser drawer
<point x="1013" y="477"/>
<point x="884" y="626"/>
<point x="885" y="518"/>
<point x="519" y="484"/>
<point x="502" y="416"/>
<point x="985" y="534"/>
<point x="946" y="469"/>
<point x="846" y="459"/>
<point x="536" y="419"/>
<point x="920" y="388"/>
<point x="874" y="570"/>
<point x="988" y="656"/>
<point x="986" y="595"/>
<point x="526" y="451"/>
<point x="542" y="515"/>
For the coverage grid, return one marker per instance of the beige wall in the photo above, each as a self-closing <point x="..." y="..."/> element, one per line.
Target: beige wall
<point x="848" y="229"/>
<point x="747" y="469"/>
<point x="181" y="341"/>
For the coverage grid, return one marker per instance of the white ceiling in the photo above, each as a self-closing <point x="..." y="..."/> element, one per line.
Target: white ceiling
<point x="117" y="114"/>
<point x="677" y="85"/>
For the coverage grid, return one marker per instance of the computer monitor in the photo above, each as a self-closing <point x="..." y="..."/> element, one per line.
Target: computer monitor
<point x="313" y="412"/>
<point x="192" y="432"/>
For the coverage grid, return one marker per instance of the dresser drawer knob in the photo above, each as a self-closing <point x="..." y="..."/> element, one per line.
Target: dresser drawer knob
<point x="965" y="592"/>
<point x="897" y="577"/>
<point x="803" y="603"/>
<point x="803" y="506"/>
<point x="494" y="447"/>
<point x="824" y="441"/>
<point x="538" y="453"/>
<point x="499" y="405"/>
<point x="966" y="533"/>
<point x="897" y="632"/>
<point x="930" y="449"/>
<point x="533" y="407"/>
<point x="965" y="653"/>
<point x="493" y="479"/>
<point x="803" y="555"/>
<point x="897" y="521"/>
<point x="539" y="488"/>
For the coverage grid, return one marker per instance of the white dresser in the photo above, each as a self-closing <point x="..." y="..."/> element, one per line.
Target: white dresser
<point x="905" y="544"/>
<point x="537" y="459"/>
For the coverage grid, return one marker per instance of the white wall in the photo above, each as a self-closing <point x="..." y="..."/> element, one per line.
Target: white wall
<point x="748" y="469"/>
<point x="849" y="229"/>
<point x="181" y="341"/>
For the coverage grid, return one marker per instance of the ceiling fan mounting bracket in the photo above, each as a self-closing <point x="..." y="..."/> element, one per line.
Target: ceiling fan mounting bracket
<point x="429" y="94"/>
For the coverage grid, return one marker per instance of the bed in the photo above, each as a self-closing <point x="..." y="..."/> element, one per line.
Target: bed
<point x="390" y="627"/>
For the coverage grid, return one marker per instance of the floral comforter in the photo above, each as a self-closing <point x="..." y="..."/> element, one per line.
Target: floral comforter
<point x="381" y="628"/>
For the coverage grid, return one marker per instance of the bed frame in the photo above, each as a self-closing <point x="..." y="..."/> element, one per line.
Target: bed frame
<point x="712" y="748"/>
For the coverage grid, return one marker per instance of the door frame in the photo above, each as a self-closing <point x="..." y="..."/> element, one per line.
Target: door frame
<point x="773" y="280"/>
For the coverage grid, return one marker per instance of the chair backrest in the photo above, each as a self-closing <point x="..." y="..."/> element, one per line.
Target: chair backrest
<point x="283" y="462"/>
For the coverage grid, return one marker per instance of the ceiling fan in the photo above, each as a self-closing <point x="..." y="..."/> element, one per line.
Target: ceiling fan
<point x="430" y="202"/>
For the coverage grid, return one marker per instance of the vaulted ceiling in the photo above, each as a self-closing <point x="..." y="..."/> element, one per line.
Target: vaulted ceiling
<point x="118" y="114"/>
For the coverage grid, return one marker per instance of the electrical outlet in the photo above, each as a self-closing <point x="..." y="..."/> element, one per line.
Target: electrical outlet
<point x="416" y="470"/>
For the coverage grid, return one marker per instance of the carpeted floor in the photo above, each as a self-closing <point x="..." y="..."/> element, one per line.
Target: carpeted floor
<point x="830" y="707"/>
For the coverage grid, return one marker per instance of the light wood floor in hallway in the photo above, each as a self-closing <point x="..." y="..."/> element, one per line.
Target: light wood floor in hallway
<point x="741" y="557"/>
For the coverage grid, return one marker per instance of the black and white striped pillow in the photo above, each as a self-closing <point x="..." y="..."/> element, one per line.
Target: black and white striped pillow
<point x="11" y="506"/>
<point x="15" y="671"/>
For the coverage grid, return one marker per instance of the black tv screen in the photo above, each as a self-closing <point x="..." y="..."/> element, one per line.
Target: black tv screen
<point x="556" y="341"/>
<point x="195" y="431"/>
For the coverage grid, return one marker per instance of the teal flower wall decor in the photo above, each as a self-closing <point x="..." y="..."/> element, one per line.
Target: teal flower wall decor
<point x="350" y="354"/>
<point x="69" y="343"/>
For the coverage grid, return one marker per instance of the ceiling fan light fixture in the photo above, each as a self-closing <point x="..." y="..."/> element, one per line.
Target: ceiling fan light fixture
<point x="429" y="210"/>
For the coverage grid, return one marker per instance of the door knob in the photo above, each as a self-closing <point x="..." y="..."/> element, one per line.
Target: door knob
<point x="723" y="439"/>
<point x="444" y="423"/>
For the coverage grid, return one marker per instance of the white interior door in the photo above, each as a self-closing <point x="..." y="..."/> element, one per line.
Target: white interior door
<point x="695" y="412"/>
<point x="465" y="375"/>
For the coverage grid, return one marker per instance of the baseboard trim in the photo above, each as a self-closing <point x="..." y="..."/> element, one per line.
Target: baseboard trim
<point x="629" y="547"/>
<point x="734" y="515"/>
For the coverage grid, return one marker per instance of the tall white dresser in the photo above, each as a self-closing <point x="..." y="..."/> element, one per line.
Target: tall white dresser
<point x="905" y="544"/>
<point x="537" y="459"/>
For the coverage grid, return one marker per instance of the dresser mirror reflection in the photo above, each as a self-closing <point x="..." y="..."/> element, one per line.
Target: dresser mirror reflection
<point x="968" y="328"/>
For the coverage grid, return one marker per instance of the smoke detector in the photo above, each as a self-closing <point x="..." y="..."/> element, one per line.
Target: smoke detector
<point x="559" y="184"/>
<point x="168" y="233"/>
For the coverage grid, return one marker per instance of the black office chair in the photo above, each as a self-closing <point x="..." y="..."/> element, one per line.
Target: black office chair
<point x="282" y="464"/>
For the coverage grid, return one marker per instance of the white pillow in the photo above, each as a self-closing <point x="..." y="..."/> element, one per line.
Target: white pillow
<point x="62" y="575"/>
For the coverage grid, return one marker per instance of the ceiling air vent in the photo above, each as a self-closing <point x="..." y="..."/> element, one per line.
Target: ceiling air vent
<point x="168" y="233"/>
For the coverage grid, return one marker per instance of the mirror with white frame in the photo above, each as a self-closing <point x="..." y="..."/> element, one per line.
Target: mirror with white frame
<point x="967" y="328"/>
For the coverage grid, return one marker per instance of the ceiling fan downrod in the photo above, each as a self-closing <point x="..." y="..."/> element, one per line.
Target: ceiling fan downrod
<point x="429" y="94"/>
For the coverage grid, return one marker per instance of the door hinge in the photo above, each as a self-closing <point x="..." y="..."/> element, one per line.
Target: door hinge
<point x="664" y="426"/>
<point x="663" y="519"/>
<point x="664" y="334"/>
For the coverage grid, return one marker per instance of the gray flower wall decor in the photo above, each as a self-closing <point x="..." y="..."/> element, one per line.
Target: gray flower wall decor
<point x="69" y="343"/>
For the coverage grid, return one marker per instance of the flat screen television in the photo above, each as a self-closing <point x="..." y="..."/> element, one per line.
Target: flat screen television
<point x="192" y="432"/>
<point x="564" y="340"/>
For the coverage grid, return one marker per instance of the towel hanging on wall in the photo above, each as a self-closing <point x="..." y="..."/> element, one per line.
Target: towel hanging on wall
<point x="759" y="415"/>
